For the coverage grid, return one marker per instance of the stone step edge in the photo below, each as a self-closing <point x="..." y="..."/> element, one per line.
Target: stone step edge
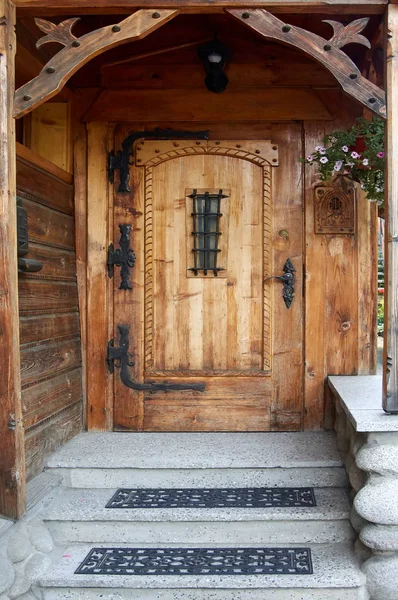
<point x="358" y="593"/>
<point x="87" y="477"/>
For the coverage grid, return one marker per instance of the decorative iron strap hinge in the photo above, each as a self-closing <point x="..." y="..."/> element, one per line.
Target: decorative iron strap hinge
<point x="123" y="359"/>
<point x="123" y="257"/>
<point x="121" y="160"/>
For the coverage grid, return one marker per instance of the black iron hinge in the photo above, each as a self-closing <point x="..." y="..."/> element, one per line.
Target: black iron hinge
<point x="114" y="162"/>
<point x="121" y="160"/>
<point x="120" y="357"/>
<point x="123" y="257"/>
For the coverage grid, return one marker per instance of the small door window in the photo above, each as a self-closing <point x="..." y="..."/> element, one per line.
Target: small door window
<point x="207" y="252"/>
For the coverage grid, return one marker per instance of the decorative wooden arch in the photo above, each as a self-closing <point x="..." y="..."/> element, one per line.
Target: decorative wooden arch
<point x="326" y="52"/>
<point x="78" y="51"/>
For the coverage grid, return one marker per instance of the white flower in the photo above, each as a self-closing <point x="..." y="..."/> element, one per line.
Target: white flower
<point x="324" y="160"/>
<point x="337" y="165"/>
<point x="310" y="158"/>
<point x="365" y="162"/>
<point x="355" y="155"/>
<point x="345" y="148"/>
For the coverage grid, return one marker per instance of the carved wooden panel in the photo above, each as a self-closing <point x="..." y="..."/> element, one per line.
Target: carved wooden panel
<point x="335" y="209"/>
<point x="260" y="152"/>
<point x="263" y="369"/>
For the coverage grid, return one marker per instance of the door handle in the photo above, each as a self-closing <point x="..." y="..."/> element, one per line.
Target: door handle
<point x="288" y="280"/>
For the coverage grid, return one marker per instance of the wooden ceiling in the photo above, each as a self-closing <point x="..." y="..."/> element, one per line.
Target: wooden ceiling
<point x="168" y="58"/>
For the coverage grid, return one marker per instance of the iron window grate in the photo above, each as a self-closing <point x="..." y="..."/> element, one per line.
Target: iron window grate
<point x="206" y="232"/>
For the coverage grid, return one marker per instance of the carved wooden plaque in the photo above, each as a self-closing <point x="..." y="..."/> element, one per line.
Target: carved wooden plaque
<point x="335" y="209"/>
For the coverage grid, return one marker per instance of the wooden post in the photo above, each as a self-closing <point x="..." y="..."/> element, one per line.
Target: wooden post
<point x="12" y="459"/>
<point x="390" y="370"/>
<point x="99" y="392"/>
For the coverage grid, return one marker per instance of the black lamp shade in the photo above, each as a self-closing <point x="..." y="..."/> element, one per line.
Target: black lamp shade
<point x="214" y="56"/>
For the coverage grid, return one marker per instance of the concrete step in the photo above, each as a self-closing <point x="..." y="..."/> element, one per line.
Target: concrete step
<point x="80" y="516"/>
<point x="111" y="460"/>
<point x="336" y="577"/>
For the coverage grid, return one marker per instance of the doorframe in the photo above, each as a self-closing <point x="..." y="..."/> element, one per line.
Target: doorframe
<point x="286" y="214"/>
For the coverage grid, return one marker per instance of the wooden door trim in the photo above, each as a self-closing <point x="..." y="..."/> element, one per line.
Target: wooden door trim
<point x="99" y="288"/>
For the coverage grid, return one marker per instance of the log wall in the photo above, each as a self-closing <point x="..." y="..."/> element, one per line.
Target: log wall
<point x="49" y="317"/>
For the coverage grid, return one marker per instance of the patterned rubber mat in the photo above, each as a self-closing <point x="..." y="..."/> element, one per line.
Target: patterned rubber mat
<point x="213" y="498"/>
<point x="197" y="561"/>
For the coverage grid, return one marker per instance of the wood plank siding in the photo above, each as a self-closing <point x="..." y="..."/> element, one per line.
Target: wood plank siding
<point x="48" y="307"/>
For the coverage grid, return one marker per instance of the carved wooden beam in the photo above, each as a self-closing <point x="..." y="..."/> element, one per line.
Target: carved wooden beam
<point x="327" y="52"/>
<point x="78" y="51"/>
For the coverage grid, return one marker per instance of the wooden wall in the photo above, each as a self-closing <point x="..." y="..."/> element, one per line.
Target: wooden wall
<point x="49" y="317"/>
<point x="340" y="293"/>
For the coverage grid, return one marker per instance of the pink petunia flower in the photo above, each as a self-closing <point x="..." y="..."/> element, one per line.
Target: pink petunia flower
<point x="310" y="158"/>
<point x="337" y="165"/>
<point x="345" y="148"/>
<point x="355" y="155"/>
<point x="380" y="155"/>
<point x="365" y="162"/>
<point x="324" y="160"/>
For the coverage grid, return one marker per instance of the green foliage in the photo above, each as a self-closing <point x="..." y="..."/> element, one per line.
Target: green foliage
<point x="340" y="156"/>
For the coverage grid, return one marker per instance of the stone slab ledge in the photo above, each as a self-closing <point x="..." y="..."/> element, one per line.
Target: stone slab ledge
<point x="361" y="398"/>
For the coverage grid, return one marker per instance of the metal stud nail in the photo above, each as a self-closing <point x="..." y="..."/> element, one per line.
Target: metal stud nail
<point x="50" y="70"/>
<point x="27" y="98"/>
<point x="353" y="76"/>
<point x="116" y="28"/>
<point x="257" y="151"/>
<point x="372" y="100"/>
<point x="238" y="146"/>
<point x="274" y="160"/>
<point x="286" y="28"/>
<point x="274" y="147"/>
<point x="76" y="44"/>
<point x="217" y="143"/>
<point x="156" y="15"/>
<point x="246" y="15"/>
<point x="327" y="47"/>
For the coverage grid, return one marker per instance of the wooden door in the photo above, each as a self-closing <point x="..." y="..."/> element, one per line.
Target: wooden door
<point x="201" y="310"/>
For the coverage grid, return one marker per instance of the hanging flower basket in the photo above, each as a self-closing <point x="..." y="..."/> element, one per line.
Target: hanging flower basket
<point x="356" y="154"/>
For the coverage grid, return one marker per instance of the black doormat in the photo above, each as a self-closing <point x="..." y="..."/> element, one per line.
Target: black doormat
<point x="213" y="498"/>
<point x="197" y="561"/>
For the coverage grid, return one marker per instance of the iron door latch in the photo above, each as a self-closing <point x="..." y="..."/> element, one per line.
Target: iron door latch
<point x="288" y="280"/>
<point x="124" y="360"/>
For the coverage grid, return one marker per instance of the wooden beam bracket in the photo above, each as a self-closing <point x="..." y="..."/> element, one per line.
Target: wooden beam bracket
<point x="326" y="52"/>
<point x="78" y="51"/>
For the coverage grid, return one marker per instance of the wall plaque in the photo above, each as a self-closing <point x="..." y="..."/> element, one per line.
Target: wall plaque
<point x="335" y="209"/>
